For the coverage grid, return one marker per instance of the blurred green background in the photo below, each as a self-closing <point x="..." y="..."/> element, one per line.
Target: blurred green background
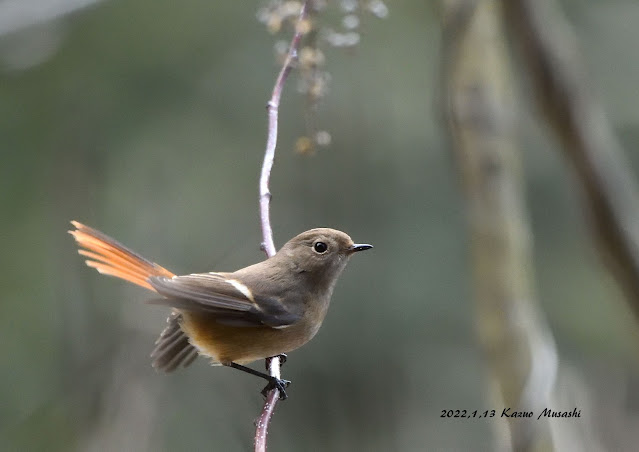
<point x="146" y="120"/>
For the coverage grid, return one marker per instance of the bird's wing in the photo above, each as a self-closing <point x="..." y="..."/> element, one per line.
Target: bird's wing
<point x="228" y="300"/>
<point x="173" y="348"/>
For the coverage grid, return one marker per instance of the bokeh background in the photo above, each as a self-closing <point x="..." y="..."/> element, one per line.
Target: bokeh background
<point x="146" y="119"/>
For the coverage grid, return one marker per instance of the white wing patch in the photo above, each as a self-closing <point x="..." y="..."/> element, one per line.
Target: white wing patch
<point x="242" y="288"/>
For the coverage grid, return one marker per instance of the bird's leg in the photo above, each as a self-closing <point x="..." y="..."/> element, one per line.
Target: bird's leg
<point x="272" y="381"/>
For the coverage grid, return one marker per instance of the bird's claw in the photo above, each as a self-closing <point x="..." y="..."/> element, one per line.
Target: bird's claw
<point x="279" y="384"/>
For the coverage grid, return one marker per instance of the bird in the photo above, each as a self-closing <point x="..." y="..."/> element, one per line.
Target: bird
<point x="233" y="318"/>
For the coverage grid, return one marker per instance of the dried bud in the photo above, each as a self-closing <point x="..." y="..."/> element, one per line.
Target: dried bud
<point x="305" y="146"/>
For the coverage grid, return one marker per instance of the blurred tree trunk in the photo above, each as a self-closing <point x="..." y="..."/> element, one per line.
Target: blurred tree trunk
<point x="569" y="107"/>
<point x="479" y="106"/>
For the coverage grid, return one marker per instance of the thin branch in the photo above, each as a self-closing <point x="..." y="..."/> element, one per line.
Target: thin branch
<point x="273" y="364"/>
<point x="269" y="155"/>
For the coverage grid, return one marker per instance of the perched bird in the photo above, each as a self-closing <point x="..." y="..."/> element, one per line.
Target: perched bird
<point x="260" y="311"/>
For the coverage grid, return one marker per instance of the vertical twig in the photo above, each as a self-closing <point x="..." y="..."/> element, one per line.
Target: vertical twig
<point x="271" y="143"/>
<point x="273" y="364"/>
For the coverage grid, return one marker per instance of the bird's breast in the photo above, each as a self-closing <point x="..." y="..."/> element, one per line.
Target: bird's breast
<point x="244" y="344"/>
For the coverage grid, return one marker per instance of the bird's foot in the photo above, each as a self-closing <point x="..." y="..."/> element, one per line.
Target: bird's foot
<point x="279" y="384"/>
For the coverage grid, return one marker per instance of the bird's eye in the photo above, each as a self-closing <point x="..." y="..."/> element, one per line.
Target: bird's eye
<point x="320" y="247"/>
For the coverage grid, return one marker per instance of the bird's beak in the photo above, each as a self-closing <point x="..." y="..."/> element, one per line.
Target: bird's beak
<point x="359" y="247"/>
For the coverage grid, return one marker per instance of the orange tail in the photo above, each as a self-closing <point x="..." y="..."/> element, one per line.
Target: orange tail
<point x="111" y="258"/>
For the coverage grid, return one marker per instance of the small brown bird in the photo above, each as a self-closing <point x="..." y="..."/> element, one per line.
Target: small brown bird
<point x="263" y="310"/>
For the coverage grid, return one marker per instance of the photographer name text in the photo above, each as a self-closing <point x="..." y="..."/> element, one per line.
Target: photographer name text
<point x="509" y="412"/>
